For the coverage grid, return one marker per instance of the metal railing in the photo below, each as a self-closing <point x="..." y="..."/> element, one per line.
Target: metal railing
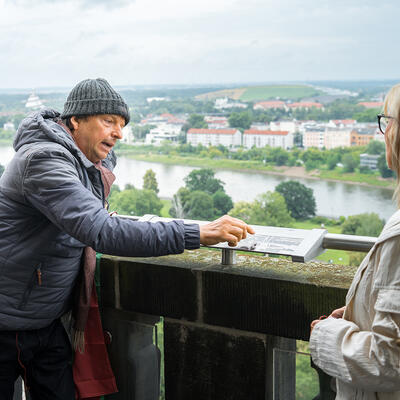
<point x="329" y="240"/>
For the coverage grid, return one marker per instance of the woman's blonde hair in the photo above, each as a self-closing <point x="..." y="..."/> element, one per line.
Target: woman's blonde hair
<point x="391" y="108"/>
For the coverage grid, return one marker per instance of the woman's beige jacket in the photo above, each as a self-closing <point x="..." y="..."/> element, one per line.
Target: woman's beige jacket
<point x="362" y="350"/>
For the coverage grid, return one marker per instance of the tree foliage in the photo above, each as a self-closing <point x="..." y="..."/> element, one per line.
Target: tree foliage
<point x="367" y="224"/>
<point x="204" y="180"/>
<point x="268" y="209"/>
<point x="1" y="170"/>
<point x="222" y="203"/>
<point x="150" y="181"/>
<point x="299" y="199"/>
<point x="200" y="206"/>
<point x="383" y="168"/>
<point x="375" y="147"/>
<point x="241" y="120"/>
<point x="135" y="202"/>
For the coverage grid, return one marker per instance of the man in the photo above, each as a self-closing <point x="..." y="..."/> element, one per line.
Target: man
<point x="52" y="220"/>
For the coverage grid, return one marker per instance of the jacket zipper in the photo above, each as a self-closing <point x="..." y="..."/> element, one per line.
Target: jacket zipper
<point x="37" y="275"/>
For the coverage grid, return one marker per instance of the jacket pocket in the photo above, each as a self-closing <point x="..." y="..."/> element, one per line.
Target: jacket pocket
<point x="388" y="300"/>
<point x="35" y="280"/>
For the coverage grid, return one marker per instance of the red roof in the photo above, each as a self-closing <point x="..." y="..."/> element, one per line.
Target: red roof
<point x="305" y="104"/>
<point x="166" y="115"/>
<point x="371" y="104"/>
<point x="271" y="104"/>
<point x="263" y="132"/>
<point x="344" y="121"/>
<point x="213" y="131"/>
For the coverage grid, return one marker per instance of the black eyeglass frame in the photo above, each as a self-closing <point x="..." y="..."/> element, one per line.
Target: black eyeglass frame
<point x="380" y="116"/>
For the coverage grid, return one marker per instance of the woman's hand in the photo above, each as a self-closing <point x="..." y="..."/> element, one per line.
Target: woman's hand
<point x="224" y="229"/>
<point x="338" y="313"/>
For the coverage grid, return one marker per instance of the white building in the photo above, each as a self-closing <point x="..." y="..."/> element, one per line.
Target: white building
<point x="127" y="135"/>
<point x="337" y="138"/>
<point x="34" y="103"/>
<point x="369" y="160"/>
<point x="214" y="137"/>
<point x="224" y="102"/>
<point x="313" y="138"/>
<point x="259" y="138"/>
<point x="290" y="126"/>
<point x="162" y="132"/>
<point x="9" y="126"/>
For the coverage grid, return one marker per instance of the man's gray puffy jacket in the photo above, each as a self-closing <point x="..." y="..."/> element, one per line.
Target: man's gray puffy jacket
<point x="51" y="207"/>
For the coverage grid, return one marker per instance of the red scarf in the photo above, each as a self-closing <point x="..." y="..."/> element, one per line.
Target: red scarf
<point x="92" y="371"/>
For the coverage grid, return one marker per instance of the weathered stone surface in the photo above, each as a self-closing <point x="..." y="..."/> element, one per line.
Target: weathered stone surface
<point x="260" y="294"/>
<point x="158" y="289"/>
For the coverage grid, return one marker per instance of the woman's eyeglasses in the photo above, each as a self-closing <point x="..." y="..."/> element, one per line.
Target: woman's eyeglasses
<point x="383" y="122"/>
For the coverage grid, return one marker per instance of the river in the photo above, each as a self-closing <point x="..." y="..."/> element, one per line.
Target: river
<point x="333" y="198"/>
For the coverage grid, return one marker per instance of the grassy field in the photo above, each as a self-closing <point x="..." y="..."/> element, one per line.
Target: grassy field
<point x="292" y="92"/>
<point x="368" y="179"/>
<point x="252" y="93"/>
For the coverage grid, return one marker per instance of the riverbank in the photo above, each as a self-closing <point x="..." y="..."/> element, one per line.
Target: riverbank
<point x="369" y="180"/>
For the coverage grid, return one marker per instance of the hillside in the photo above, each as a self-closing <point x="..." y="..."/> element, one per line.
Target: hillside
<point x="255" y="93"/>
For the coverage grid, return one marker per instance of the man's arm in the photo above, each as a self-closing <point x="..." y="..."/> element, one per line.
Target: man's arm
<point x="53" y="187"/>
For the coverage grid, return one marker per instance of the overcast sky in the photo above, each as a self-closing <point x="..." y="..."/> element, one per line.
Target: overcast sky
<point x="60" y="42"/>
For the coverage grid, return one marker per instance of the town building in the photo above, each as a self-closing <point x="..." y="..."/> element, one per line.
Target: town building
<point x="341" y="123"/>
<point x="216" y="122"/>
<point x="34" y="103"/>
<point x="214" y="137"/>
<point x="360" y="138"/>
<point x="337" y="138"/>
<point x="306" y="105"/>
<point x="127" y="135"/>
<point x="9" y="126"/>
<point x="262" y="138"/>
<point x="290" y="126"/>
<point x="313" y="137"/>
<point x="369" y="160"/>
<point x="225" y="102"/>
<point x="371" y="104"/>
<point x="163" y="131"/>
<point x="268" y="105"/>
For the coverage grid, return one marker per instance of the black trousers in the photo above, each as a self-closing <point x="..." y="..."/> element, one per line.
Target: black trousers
<point x="43" y="357"/>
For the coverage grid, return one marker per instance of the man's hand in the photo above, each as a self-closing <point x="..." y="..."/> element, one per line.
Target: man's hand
<point x="224" y="229"/>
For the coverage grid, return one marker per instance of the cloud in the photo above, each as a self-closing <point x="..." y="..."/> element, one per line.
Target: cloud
<point x="86" y="4"/>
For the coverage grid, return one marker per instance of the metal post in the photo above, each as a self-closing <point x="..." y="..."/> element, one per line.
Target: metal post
<point x="228" y="257"/>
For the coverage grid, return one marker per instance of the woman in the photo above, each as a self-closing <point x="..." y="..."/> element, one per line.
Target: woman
<point x="359" y="344"/>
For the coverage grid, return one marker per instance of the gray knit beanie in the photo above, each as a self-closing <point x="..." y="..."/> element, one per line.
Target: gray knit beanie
<point x="95" y="96"/>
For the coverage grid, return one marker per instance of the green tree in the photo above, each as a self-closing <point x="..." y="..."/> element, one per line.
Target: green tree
<point x="332" y="160"/>
<point x="1" y="170"/>
<point x="299" y="199"/>
<point x="200" y="206"/>
<point x="179" y="206"/>
<point x="270" y="209"/>
<point x="349" y="162"/>
<point x="222" y="203"/>
<point x="240" y="120"/>
<point x="242" y="210"/>
<point x="135" y="202"/>
<point x="204" y="180"/>
<point x="375" y="147"/>
<point x="367" y="224"/>
<point x="195" y="121"/>
<point x="150" y="181"/>
<point x="383" y="168"/>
